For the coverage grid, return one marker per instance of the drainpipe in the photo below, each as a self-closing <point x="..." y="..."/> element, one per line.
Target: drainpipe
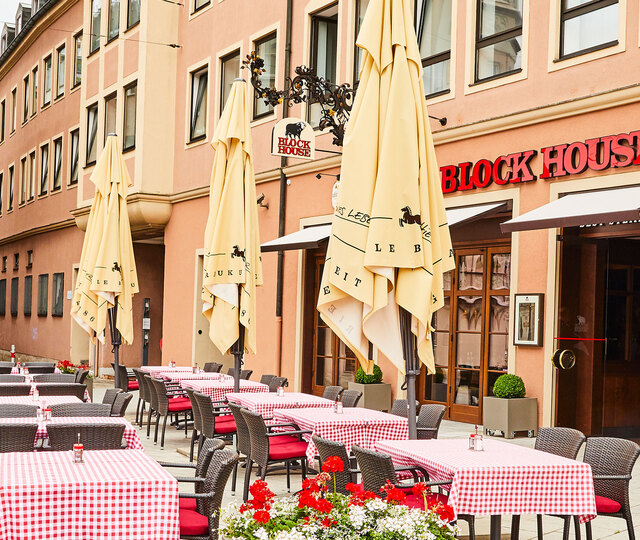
<point x="283" y="200"/>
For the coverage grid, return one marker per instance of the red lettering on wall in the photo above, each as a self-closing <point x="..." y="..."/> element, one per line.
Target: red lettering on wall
<point x="553" y="158"/>
<point x="496" y="173"/>
<point x="481" y="176"/>
<point x="465" y="181"/>
<point x="449" y="178"/>
<point x="520" y="166"/>
<point x="623" y="154"/>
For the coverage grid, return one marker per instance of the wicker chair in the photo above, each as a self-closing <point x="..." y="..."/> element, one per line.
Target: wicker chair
<point x="377" y="469"/>
<point x="266" y="379"/>
<point x="66" y="378"/>
<point x="244" y="373"/>
<point x="195" y="525"/>
<point x="212" y="367"/>
<point x="17" y="437"/>
<point x="81" y="409"/>
<point x="39" y="364"/>
<point x="327" y="449"/>
<point x="196" y="432"/>
<point x="120" y="404"/>
<point x="332" y="392"/>
<point x="400" y="407"/>
<point x="15" y="389"/>
<point x="350" y="398"/>
<point x="243" y="442"/>
<point x="11" y="378"/>
<point x="214" y="422"/>
<point x="5" y="370"/>
<point x="110" y="395"/>
<point x="265" y="451"/>
<point x="55" y="389"/>
<point x="36" y="370"/>
<point x="11" y="410"/>
<point x="276" y="382"/>
<point x="92" y="436"/>
<point x="81" y="375"/>
<point x="429" y="420"/>
<point x="143" y="395"/>
<point x="7" y="364"/>
<point x="153" y="400"/>
<point x="612" y="462"/>
<point x="166" y="406"/>
<point x="124" y="382"/>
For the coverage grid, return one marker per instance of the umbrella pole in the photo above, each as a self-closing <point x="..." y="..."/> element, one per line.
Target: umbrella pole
<point x="409" y="350"/>
<point x="237" y="350"/>
<point x="116" y="341"/>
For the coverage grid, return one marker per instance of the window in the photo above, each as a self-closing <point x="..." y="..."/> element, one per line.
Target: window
<point x="198" y="121"/>
<point x="3" y="297"/>
<point x="266" y="48"/>
<point x="114" y="20"/>
<point x="11" y="175"/>
<point x="57" y="295"/>
<point x="46" y="83"/>
<point x="16" y="261"/>
<point x="3" y="110"/>
<point x="230" y="70"/>
<point x="324" y="51"/>
<point x="434" y="37"/>
<point x="199" y="4"/>
<point x="44" y="169"/>
<point x="361" y="9"/>
<point x="32" y="176"/>
<point x="77" y="60"/>
<point x="61" y="70"/>
<point x="43" y="294"/>
<point x="27" y="296"/>
<point x="133" y="13"/>
<point x="498" y="38"/>
<point x="14" y="109"/>
<point x="23" y="180"/>
<point x="75" y="155"/>
<point x="57" y="164"/>
<point x="130" y="106"/>
<point x="29" y="258"/>
<point x="4" y="263"/>
<point x="34" y="90"/>
<point x="25" y="102"/>
<point x="92" y="131"/>
<point x="14" y="297"/>
<point x="587" y="25"/>
<point x="110" y="109"/>
<point x="94" y="42"/>
<point x="1" y="190"/>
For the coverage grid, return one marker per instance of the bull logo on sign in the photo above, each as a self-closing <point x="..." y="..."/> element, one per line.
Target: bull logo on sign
<point x="293" y="131"/>
<point x="408" y="218"/>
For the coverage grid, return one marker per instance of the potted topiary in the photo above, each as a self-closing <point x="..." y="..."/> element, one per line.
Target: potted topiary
<point x="375" y="394"/>
<point x="508" y="410"/>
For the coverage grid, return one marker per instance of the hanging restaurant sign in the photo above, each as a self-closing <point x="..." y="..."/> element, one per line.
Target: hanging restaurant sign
<point x="292" y="137"/>
<point x="598" y="154"/>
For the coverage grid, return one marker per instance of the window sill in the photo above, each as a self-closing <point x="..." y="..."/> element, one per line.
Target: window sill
<point x="91" y="53"/>
<point x="75" y="88"/>
<point x="72" y="186"/>
<point x="56" y="191"/>
<point x="58" y="98"/>
<point x="45" y="106"/>
<point x="129" y="149"/>
<point x="89" y="164"/>
<point x="112" y="39"/>
<point x="197" y="142"/>
<point x="496" y="81"/>
<point x="131" y="27"/>
<point x="264" y="119"/>
<point x="43" y="195"/>
<point x="202" y="9"/>
<point x="583" y="57"/>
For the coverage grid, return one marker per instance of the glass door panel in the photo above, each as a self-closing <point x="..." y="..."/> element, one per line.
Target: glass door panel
<point x="470" y="272"/>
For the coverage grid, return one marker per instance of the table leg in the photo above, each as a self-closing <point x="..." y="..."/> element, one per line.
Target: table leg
<point x="515" y="527"/>
<point x="496" y="526"/>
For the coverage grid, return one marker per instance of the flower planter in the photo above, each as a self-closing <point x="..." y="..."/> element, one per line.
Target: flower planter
<point x="510" y="415"/>
<point x="374" y="396"/>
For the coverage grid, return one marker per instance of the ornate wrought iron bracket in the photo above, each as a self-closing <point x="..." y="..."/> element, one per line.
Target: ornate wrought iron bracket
<point x="335" y="101"/>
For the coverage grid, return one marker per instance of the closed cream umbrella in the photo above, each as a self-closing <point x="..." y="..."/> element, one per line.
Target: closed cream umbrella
<point x="390" y="243"/>
<point x="107" y="278"/>
<point x="232" y="264"/>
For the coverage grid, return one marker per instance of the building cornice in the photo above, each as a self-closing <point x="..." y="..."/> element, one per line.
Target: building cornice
<point x="37" y="230"/>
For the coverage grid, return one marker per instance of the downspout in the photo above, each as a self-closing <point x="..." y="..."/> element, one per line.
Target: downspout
<point x="283" y="200"/>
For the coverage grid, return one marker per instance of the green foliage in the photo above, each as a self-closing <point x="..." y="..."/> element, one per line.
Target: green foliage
<point x="509" y="386"/>
<point x="374" y="378"/>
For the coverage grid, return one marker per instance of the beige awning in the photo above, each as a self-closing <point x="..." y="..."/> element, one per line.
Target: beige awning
<point x="457" y="216"/>
<point x="307" y="238"/>
<point x="587" y="208"/>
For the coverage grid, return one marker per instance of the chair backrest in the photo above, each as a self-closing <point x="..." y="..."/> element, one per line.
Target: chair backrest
<point x="33" y="370"/>
<point x="123" y="376"/>
<point x="220" y="467"/>
<point x="92" y="436"/>
<point x="327" y="449"/>
<point x="119" y="407"/>
<point x="266" y="379"/>
<point x="81" y="375"/>
<point x="81" y="409"/>
<point x="561" y="441"/>
<point x="151" y="392"/>
<point x="110" y="395"/>
<point x="257" y="437"/>
<point x="6" y="370"/>
<point x="161" y="397"/>
<point x="332" y="392"/>
<point x="195" y="408"/>
<point x="55" y="389"/>
<point x="17" y="437"/>
<point x="15" y="389"/>
<point x="231" y="371"/>
<point x="11" y="378"/>
<point x="209" y="446"/>
<point x="276" y="382"/>
<point x="350" y="398"/>
<point x="400" y="407"/>
<point x="12" y="410"/>
<point x="609" y="456"/>
<point x="246" y="374"/>
<point x="39" y="364"/>
<point x="212" y="367"/>
<point x="429" y="420"/>
<point x="55" y="378"/>
<point x="7" y="364"/>
<point x="207" y="414"/>
<point x="375" y="468"/>
<point x="242" y="430"/>
<point x="143" y="393"/>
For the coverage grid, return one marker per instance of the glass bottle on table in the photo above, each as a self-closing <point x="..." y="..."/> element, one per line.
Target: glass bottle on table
<point x="78" y="450"/>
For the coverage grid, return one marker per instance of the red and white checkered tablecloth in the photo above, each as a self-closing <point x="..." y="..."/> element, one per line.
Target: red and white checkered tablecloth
<point x="130" y="433"/>
<point x="113" y="495"/>
<point x="16" y="370"/>
<point x="218" y="390"/>
<point x="503" y="479"/>
<point x="186" y="376"/>
<point x="355" y="425"/>
<point x="265" y="404"/>
<point x="43" y="402"/>
<point x="33" y="387"/>
<point x="155" y="369"/>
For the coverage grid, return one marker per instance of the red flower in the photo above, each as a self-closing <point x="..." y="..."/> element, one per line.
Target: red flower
<point x="324" y="506"/>
<point x="333" y="464"/>
<point x="420" y="489"/>
<point x="306" y="499"/>
<point x="392" y="493"/>
<point x="311" y="485"/>
<point x="261" y="516"/>
<point x="444" y="511"/>
<point x="326" y="522"/>
<point x="353" y="488"/>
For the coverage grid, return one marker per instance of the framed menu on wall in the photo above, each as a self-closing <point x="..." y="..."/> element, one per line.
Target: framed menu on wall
<point x="528" y="320"/>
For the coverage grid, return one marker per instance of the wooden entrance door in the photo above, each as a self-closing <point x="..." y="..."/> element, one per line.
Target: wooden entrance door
<point x="471" y="333"/>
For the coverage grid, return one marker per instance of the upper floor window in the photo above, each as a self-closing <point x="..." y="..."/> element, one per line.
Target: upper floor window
<point x="96" y="12"/>
<point x="34" y="90"/>
<point x="230" y="71"/>
<point x="74" y="158"/>
<point x="25" y="102"/>
<point x="129" y="122"/>
<point x="199" y="4"/>
<point x="266" y="48"/>
<point x="14" y="109"/>
<point x="324" y="51"/>
<point x="77" y="60"/>
<point x="361" y="9"/>
<point x="46" y="82"/>
<point x="133" y="13"/>
<point x="1" y="190"/>
<point x="198" y="109"/>
<point x="114" y="20"/>
<point x="11" y="179"/>
<point x="32" y="176"/>
<point x="61" y="70"/>
<point x="498" y="38"/>
<point x="44" y="169"/>
<point x="110" y="110"/>
<point x="434" y="37"/>
<point x="3" y="107"/>
<point x="57" y="164"/>
<point x="92" y="131"/>
<point x="3" y="296"/>
<point x="23" y="180"/>
<point x="587" y="25"/>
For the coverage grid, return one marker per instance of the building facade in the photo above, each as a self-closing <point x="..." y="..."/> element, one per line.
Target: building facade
<point x="540" y="105"/>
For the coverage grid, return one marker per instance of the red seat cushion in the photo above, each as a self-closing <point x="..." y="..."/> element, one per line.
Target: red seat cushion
<point x="187" y="504"/>
<point x="225" y="426"/>
<point x="283" y="439"/>
<point x="607" y="506"/>
<point x="133" y="385"/>
<point x="290" y="450"/>
<point x="179" y="404"/>
<point x="193" y="524"/>
<point x="418" y="502"/>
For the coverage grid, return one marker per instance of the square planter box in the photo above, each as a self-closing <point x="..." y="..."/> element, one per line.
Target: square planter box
<point x="510" y="415"/>
<point x="374" y="396"/>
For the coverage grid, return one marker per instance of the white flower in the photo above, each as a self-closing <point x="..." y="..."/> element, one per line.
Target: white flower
<point x="261" y="534"/>
<point x="357" y="515"/>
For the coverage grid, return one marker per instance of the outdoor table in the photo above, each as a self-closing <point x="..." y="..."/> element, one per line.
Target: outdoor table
<point x="43" y="402"/>
<point x="130" y="433"/>
<point x="504" y="478"/>
<point x="33" y="387"/>
<point x="16" y="370"/>
<point x="355" y="425"/>
<point x="218" y="390"/>
<point x="264" y="404"/>
<point x="113" y="494"/>
<point x="155" y="369"/>
<point x="186" y="376"/>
